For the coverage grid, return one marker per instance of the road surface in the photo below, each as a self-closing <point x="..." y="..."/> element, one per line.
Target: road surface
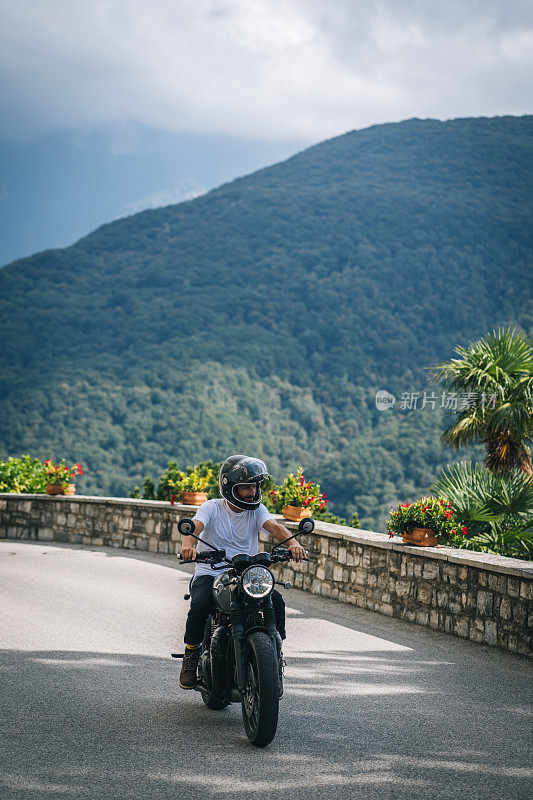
<point x="374" y="708"/>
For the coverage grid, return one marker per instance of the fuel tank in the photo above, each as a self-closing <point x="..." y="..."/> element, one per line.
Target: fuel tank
<point x="221" y="592"/>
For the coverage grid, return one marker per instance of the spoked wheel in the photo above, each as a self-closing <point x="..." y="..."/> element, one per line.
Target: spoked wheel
<point x="260" y="704"/>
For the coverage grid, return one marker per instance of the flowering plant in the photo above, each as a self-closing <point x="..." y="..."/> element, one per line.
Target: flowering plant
<point x="24" y="474"/>
<point x="296" y="491"/>
<point x="428" y="512"/>
<point x="191" y="480"/>
<point x="60" y="474"/>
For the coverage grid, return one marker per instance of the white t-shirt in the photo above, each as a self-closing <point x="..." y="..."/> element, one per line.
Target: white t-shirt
<point x="234" y="531"/>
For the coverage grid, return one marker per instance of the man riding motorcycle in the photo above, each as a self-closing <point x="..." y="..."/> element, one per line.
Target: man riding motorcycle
<point x="231" y="523"/>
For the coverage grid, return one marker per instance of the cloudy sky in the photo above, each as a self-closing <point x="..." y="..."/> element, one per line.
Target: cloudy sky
<point x="266" y="69"/>
<point x="113" y="106"/>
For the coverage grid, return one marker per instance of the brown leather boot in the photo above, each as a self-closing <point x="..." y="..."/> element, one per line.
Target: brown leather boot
<point x="189" y="668"/>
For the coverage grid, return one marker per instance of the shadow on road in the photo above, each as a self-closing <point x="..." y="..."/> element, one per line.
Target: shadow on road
<point x="352" y="724"/>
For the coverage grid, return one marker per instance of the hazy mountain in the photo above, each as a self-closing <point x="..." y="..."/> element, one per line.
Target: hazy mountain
<point x="62" y="185"/>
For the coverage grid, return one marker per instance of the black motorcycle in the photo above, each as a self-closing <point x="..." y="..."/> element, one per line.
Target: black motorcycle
<point x="241" y="649"/>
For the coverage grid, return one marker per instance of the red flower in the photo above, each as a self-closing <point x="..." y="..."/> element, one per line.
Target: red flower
<point x="441" y="502"/>
<point x="302" y="480"/>
<point x="390" y="534"/>
<point x="452" y="532"/>
<point x="173" y="499"/>
<point x="424" y="509"/>
<point x="80" y="471"/>
<point x="448" y="514"/>
<point x="56" y="468"/>
<point x="464" y="530"/>
<point x="449" y="503"/>
<point x="306" y="502"/>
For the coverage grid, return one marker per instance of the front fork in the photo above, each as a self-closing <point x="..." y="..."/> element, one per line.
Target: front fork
<point x="237" y="630"/>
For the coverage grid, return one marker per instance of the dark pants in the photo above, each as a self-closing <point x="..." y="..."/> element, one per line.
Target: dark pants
<point x="201" y="603"/>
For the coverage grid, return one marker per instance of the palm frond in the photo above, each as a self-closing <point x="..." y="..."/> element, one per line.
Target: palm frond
<point x="467" y="428"/>
<point x="503" y="500"/>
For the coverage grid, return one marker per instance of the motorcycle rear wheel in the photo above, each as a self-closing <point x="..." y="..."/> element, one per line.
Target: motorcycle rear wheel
<point x="260" y="704"/>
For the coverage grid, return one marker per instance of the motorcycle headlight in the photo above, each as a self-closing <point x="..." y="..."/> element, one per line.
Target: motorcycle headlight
<point x="257" y="582"/>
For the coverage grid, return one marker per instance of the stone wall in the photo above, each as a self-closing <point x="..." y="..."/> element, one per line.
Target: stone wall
<point x="482" y="597"/>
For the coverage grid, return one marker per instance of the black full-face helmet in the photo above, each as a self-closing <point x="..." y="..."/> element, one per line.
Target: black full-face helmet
<point x="242" y="469"/>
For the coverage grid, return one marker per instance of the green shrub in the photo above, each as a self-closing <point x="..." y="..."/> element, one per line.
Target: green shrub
<point x="496" y="507"/>
<point x="173" y="477"/>
<point x="327" y="516"/>
<point x="192" y="480"/>
<point x="24" y="474"/>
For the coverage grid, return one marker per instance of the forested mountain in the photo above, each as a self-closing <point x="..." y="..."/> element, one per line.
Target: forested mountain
<point x="264" y="315"/>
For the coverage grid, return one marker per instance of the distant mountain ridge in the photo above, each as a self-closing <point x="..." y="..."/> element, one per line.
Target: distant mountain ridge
<point x="63" y="184"/>
<point x="265" y="314"/>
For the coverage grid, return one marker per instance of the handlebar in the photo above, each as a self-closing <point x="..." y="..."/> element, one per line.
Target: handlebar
<point x="213" y="556"/>
<point x="206" y="556"/>
<point x="281" y="555"/>
<point x="216" y="556"/>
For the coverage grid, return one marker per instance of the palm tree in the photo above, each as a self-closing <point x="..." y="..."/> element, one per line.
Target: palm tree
<point x="495" y="374"/>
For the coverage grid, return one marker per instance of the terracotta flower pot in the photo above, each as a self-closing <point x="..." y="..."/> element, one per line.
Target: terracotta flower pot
<point x="57" y="488"/>
<point x="295" y="513"/>
<point x="193" y="498"/>
<point x="54" y="488"/>
<point x="423" y="537"/>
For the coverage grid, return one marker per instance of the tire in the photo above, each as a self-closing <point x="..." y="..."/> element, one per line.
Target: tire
<point x="260" y="704"/>
<point x="210" y="701"/>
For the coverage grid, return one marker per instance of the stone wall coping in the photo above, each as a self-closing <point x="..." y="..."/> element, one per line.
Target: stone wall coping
<point x="470" y="558"/>
<point x="77" y="498"/>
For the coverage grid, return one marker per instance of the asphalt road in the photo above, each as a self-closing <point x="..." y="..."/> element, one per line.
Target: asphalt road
<point x="374" y="708"/>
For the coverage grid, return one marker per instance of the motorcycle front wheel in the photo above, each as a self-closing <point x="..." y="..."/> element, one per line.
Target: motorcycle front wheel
<point x="260" y="704"/>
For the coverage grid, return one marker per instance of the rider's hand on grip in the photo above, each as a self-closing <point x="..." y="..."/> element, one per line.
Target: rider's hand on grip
<point x="188" y="554"/>
<point x="297" y="552"/>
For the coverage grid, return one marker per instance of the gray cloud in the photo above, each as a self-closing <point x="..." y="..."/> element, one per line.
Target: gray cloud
<point x="305" y="69"/>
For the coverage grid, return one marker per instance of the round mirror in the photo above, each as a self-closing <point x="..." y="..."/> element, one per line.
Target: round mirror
<point x="306" y="525"/>
<point x="186" y="526"/>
